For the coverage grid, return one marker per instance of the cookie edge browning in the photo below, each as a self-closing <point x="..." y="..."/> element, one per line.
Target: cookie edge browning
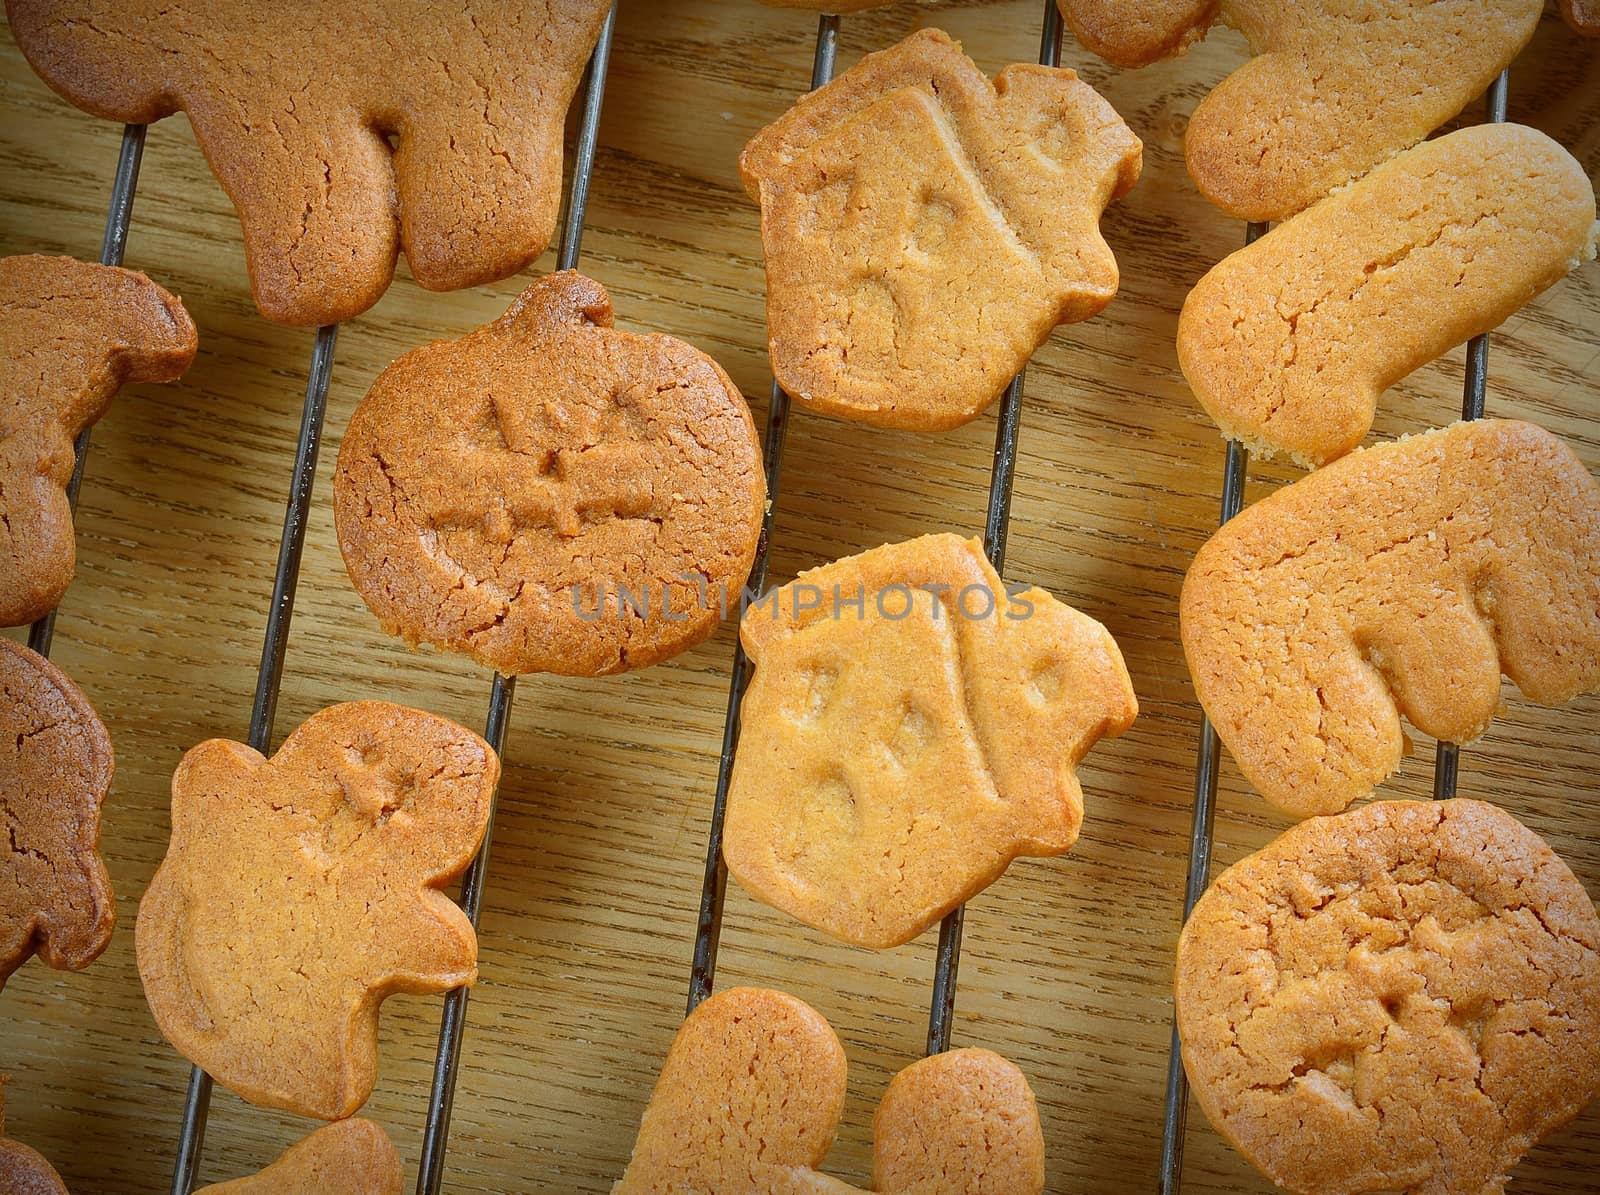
<point x="1196" y="355"/>
<point x="591" y="302"/>
<point x="1290" y="845"/>
<point x="96" y="879"/>
<point x="1112" y="40"/>
<point x="1584" y="20"/>
<point x="386" y="1175"/>
<point x="160" y="972"/>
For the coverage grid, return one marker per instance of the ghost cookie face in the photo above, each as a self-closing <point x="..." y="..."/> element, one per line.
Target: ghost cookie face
<point x="71" y="334"/>
<point x="1405" y="578"/>
<point x="300" y="891"/>
<point x="55" y="771"/>
<point x="297" y="107"/>
<point x="749" y="1099"/>
<point x="1405" y="997"/>
<point x="550" y="493"/>
<point x="926" y="229"/>
<point x="912" y="727"/>
<point x="347" y="1157"/>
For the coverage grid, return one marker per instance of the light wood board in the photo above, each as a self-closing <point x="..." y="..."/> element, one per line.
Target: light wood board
<point x="598" y="852"/>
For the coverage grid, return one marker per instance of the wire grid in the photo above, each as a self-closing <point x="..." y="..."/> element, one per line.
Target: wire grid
<point x="708" y="931"/>
<point x="1446" y="755"/>
<point x="446" y="1064"/>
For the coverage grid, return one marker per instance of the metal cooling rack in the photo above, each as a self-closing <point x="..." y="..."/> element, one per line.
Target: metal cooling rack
<point x="1447" y="756"/>
<point x="708" y="932"/>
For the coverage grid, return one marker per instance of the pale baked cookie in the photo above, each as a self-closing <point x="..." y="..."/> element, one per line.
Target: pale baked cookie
<point x="1336" y="86"/>
<point x="1582" y="15"/>
<point x="71" y="334"/>
<point x="1405" y="997"/>
<point x="925" y="229"/>
<point x="347" y="1157"/>
<point x="910" y="729"/>
<point x="1402" y="579"/>
<point x="345" y="130"/>
<point x="55" y="771"/>
<point x="300" y="891"/>
<point x="1288" y="342"/>
<point x="23" y="1169"/>
<point x="749" y="1099"/>
<point x="551" y="493"/>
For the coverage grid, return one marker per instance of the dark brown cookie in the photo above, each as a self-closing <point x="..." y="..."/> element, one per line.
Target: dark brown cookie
<point x="23" y="1169"/>
<point x="550" y="493"/>
<point x="71" y="333"/>
<point x="297" y="105"/>
<point x="55" y="771"/>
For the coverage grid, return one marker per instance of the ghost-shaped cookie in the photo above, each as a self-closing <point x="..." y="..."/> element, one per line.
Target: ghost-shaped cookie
<point x="912" y="726"/>
<point x="1405" y="578"/>
<point x="298" y="892"/>
<point x="749" y="1098"/>
<point x="55" y="771"/>
<point x="346" y="130"/>
<point x="925" y="229"/>
<point x="551" y="493"/>
<point x="347" y="1157"/>
<point x="71" y="334"/>
<point x="1335" y="87"/>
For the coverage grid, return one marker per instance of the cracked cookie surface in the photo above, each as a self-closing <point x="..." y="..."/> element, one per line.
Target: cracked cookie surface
<point x="894" y="759"/>
<point x="347" y="129"/>
<point x="347" y="1157"/>
<point x="1404" y="578"/>
<point x="71" y="334"/>
<point x="55" y="896"/>
<point x="749" y="1099"/>
<point x="300" y="891"/>
<point x="1288" y="342"/>
<point x="1405" y="997"/>
<point x="550" y="493"/>
<point x="926" y="229"/>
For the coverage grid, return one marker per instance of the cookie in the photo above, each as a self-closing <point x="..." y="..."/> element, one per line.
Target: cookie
<point x="912" y="726"/>
<point x="1402" y="579"/>
<point x="72" y="334"/>
<point x="55" y="896"/>
<point x="1336" y="87"/>
<point x="346" y="130"/>
<point x="1582" y="15"/>
<point x="1289" y="342"/>
<point x="829" y="5"/>
<point x="299" y="892"/>
<point x="23" y="1169"/>
<point x="749" y="1099"/>
<point x="926" y="229"/>
<point x="347" y="1157"/>
<point x="550" y="493"/>
<point x="1405" y="997"/>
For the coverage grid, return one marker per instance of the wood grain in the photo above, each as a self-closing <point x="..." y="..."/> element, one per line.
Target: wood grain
<point x="596" y="865"/>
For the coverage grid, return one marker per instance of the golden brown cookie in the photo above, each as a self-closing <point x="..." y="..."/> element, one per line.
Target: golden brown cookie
<point x="23" y="1169"/>
<point x="345" y="130"/>
<point x="347" y="1157"/>
<point x="926" y="229"/>
<point x="550" y="493"/>
<point x="1335" y="87"/>
<point x="1288" y="342"/>
<point x="1403" y="578"/>
<point x="71" y="334"/>
<point x="749" y="1099"/>
<point x="1405" y="997"/>
<point x="300" y="891"/>
<point x="1582" y="15"/>
<point x="910" y="729"/>
<point x="55" y="771"/>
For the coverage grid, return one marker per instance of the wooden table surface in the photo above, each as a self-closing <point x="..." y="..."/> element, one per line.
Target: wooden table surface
<point x="595" y="878"/>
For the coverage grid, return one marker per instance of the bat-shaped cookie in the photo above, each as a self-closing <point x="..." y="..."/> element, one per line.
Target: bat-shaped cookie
<point x="71" y="334"/>
<point x="912" y="726"/>
<point x="1335" y="87"/>
<point x="300" y="891"/>
<point x="347" y="1157"/>
<point x="344" y="130"/>
<point x="1402" y="579"/>
<point x="749" y="1099"/>
<point x="926" y="229"/>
